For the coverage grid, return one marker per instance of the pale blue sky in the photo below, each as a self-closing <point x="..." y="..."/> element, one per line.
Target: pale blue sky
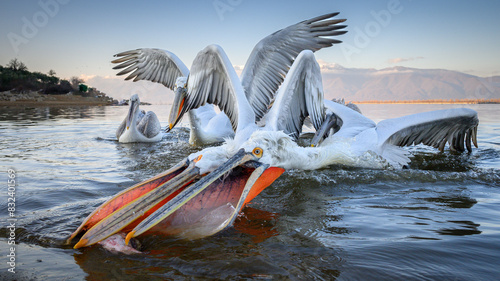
<point x="76" y="37"/>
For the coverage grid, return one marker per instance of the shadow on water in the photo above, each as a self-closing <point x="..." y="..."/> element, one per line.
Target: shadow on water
<point x="439" y="218"/>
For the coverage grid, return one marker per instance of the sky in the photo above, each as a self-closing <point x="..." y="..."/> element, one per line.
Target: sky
<point x="79" y="38"/>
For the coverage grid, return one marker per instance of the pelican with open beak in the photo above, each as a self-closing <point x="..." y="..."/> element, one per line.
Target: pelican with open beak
<point x="188" y="200"/>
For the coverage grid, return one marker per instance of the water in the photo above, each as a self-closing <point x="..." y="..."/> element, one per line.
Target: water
<point x="438" y="220"/>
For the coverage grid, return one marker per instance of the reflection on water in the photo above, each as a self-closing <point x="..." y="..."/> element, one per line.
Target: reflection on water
<point x="439" y="219"/>
<point x="463" y="228"/>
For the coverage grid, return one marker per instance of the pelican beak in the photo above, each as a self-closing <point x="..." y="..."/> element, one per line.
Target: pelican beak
<point x="330" y="122"/>
<point x="181" y="192"/>
<point x="130" y="206"/>
<point x="132" y="109"/>
<point x="178" y="109"/>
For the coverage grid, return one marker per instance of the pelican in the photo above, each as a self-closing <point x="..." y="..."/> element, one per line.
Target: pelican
<point x="203" y="194"/>
<point x="139" y="126"/>
<point x="457" y="127"/>
<point x="262" y="75"/>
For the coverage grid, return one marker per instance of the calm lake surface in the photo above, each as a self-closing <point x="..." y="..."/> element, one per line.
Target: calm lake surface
<point x="438" y="220"/>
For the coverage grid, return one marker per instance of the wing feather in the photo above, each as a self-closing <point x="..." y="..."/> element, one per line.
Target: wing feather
<point x="301" y="95"/>
<point x="457" y="127"/>
<point x="213" y="80"/>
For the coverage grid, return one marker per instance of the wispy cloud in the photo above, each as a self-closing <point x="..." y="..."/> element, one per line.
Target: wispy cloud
<point x="400" y="60"/>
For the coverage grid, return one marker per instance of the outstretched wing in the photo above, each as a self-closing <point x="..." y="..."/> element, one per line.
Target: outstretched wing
<point x="154" y="65"/>
<point x="301" y="95"/>
<point x="271" y="58"/>
<point x="457" y="127"/>
<point x="214" y="80"/>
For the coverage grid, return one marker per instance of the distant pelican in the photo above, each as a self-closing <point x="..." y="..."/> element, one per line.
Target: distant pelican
<point x="262" y="75"/>
<point x="139" y="126"/>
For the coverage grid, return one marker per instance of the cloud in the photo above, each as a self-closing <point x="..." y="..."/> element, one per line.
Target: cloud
<point x="329" y="66"/>
<point x="399" y="60"/>
<point x="238" y="69"/>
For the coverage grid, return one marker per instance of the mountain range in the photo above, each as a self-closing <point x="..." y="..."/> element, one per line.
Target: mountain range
<point x="403" y="83"/>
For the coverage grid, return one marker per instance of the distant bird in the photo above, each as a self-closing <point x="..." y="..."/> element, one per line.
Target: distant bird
<point x="139" y="126"/>
<point x="457" y="127"/>
<point x="204" y="193"/>
<point x="262" y="75"/>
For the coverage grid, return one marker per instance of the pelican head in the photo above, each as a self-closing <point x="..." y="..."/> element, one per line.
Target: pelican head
<point x="198" y="197"/>
<point x="331" y="122"/>
<point x="177" y="109"/>
<point x="133" y="110"/>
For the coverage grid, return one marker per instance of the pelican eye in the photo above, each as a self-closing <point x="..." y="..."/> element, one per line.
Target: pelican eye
<point x="257" y="152"/>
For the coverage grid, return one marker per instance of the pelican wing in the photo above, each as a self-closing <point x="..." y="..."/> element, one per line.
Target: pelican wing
<point x="149" y="125"/>
<point x="457" y="127"/>
<point x="153" y="65"/>
<point x="213" y="80"/>
<point x="271" y="58"/>
<point x="301" y="95"/>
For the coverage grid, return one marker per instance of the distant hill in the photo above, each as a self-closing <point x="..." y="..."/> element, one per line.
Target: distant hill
<point x="402" y="83"/>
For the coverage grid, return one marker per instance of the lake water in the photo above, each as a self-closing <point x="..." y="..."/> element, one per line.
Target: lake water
<point x="438" y="220"/>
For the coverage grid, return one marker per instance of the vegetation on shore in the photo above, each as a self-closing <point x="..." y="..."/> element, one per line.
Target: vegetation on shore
<point x="19" y="84"/>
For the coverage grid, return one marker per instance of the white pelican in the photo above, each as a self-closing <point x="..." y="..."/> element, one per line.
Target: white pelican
<point x="261" y="77"/>
<point x="203" y="194"/>
<point x="139" y="126"/>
